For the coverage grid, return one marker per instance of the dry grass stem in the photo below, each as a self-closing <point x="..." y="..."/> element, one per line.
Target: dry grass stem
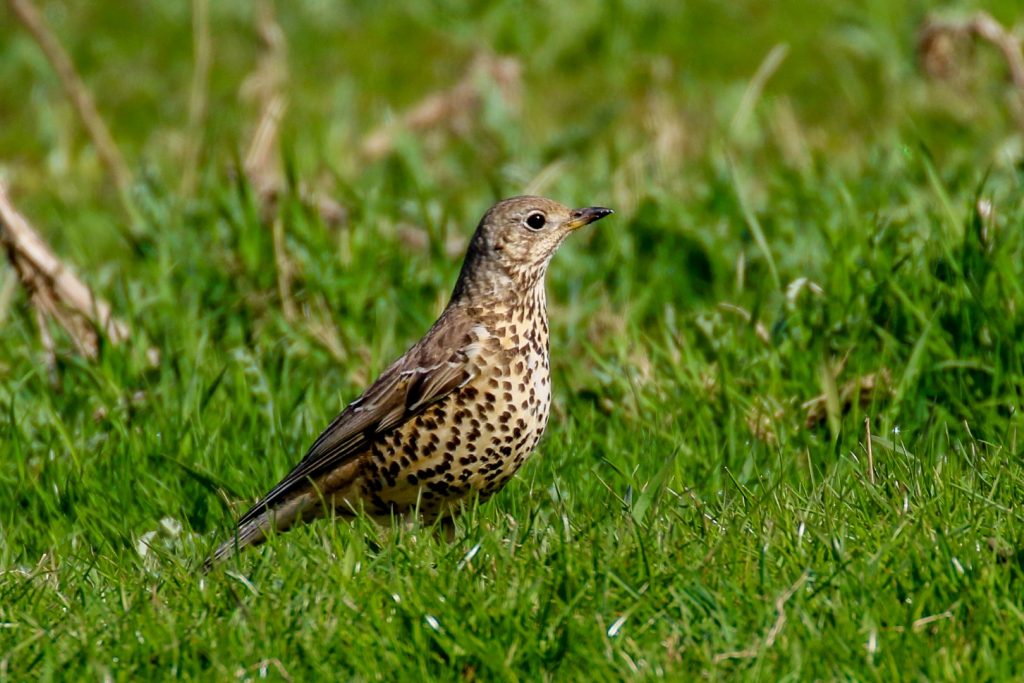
<point x="198" y="102"/>
<point x="320" y="327"/>
<point x="863" y="389"/>
<point x="54" y="290"/>
<point x="285" y="272"/>
<point x="267" y="86"/>
<point x="944" y="46"/>
<point x="75" y="89"/>
<point x="871" y="450"/>
<point x="761" y="420"/>
<point x="919" y="624"/>
<point x="260" y="671"/>
<point x="49" y="349"/>
<point x="774" y="631"/>
<point x="455" y="109"/>
<point x="7" y="290"/>
<point x="261" y="163"/>
<point x="759" y="328"/>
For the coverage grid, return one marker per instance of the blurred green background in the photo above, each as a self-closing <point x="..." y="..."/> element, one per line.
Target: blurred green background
<point x="599" y="82"/>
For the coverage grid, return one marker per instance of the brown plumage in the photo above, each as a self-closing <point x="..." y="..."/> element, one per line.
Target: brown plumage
<point x="460" y="411"/>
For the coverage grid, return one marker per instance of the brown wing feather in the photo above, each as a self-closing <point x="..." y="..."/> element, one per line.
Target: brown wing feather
<point x="441" y="362"/>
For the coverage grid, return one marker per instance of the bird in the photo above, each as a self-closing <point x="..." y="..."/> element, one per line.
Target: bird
<point x="457" y="414"/>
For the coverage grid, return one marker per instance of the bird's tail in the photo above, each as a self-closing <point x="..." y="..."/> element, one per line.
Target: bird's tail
<point x="255" y="528"/>
<point x="253" y="532"/>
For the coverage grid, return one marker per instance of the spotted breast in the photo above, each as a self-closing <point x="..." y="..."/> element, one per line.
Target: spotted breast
<point x="475" y="439"/>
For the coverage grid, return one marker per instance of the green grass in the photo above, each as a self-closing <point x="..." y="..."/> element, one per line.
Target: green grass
<point x="680" y="519"/>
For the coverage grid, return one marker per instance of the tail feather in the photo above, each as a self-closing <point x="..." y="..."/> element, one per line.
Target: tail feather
<point x="256" y="530"/>
<point x="252" y="533"/>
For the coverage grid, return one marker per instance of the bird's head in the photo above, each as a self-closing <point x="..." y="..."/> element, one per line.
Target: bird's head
<point x="515" y="241"/>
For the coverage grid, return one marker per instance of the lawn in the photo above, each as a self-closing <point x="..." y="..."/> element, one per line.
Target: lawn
<point x="788" y="372"/>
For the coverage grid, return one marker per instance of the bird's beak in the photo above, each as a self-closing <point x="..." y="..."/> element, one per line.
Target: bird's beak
<point x="580" y="217"/>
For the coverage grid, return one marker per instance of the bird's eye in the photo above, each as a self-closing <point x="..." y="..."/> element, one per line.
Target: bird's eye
<point x="535" y="221"/>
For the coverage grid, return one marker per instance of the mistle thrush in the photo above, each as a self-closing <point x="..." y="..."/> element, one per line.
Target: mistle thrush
<point x="460" y="412"/>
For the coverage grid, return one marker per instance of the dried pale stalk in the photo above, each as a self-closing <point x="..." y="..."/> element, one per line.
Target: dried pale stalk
<point x="760" y="330"/>
<point x="871" y="450"/>
<point x="198" y="103"/>
<point x="55" y="291"/>
<point x="267" y="86"/>
<point x="285" y="271"/>
<point x="455" y="109"/>
<point x="863" y="389"/>
<point x="261" y="160"/>
<point x="75" y="89"/>
<point x="773" y="633"/>
<point x="942" y="47"/>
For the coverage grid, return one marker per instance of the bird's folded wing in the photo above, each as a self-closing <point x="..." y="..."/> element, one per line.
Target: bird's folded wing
<point x="442" y="362"/>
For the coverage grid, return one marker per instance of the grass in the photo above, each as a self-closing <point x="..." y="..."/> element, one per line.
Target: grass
<point x="681" y="518"/>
